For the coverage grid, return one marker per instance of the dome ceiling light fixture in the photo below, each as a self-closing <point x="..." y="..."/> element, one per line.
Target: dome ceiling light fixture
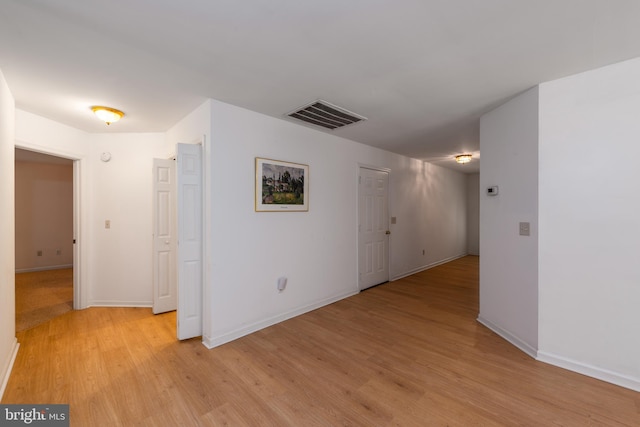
<point x="107" y="114"/>
<point x="463" y="158"/>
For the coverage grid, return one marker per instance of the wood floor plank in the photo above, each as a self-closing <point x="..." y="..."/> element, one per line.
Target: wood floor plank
<point x="42" y="295"/>
<point x="407" y="353"/>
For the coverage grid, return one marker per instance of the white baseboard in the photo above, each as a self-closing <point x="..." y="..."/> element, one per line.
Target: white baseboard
<point x="590" y="371"/>
<point x="426" y="267"/>
<point x="131" y="304"/>
<point x="215" y="341"/>
<point x="564" y="363"/>
<point x="8" y="367"/>
<point x="526" y="348"/>
<point x="50" y="267"/>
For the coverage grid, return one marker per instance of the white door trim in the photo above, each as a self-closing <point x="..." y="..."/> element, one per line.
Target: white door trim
<point x="78" y="268"/>
<point x="207" y="237"/>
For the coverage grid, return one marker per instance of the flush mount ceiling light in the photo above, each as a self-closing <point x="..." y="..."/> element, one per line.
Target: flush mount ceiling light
<point x="107" y="114"/>
<point x="463" y="158"/>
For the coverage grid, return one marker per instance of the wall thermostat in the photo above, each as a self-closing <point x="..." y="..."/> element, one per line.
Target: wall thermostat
<point x="492" y="191"/>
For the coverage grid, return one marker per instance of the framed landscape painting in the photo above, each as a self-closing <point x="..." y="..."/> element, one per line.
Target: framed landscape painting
<point x="281" y="186"/>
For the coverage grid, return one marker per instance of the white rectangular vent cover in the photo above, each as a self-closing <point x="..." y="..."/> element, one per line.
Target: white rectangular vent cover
<point x="322" y="113"/>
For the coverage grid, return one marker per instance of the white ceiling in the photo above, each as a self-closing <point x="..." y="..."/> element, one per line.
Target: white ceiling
<point x="421" y="71"/>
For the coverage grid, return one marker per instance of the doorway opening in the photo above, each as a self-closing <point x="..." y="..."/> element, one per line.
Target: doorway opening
<point x="44" y="236"/>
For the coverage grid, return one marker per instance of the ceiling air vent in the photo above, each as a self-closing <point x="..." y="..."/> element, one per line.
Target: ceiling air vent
<point x="321" y="113"/>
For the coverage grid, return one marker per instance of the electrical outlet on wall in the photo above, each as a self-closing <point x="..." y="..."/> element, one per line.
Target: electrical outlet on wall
<point x="282" y="283"/>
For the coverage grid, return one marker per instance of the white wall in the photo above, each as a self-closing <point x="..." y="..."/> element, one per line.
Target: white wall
<point x="190" y="129"/>
<point x="122" y="194"/>
<point x="473" y="214"/>
<point x="509" y="262"/>
<point x="8" y="343"/>
<point x="44" y="215"/>
<point x="589" y="223"/>
<point x="316" y="250"/>
<point x="116" y="262"/>
<point x="429" y="203"/>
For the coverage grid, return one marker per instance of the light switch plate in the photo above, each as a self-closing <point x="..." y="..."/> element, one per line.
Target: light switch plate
<point x="525" y="229"/>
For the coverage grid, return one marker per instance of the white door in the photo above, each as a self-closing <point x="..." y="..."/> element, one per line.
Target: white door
<point x="190" y="240"/>
<point x="373" y="227"/>
<point x="165" y="296"/>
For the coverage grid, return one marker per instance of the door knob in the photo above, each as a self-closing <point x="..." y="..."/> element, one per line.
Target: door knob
<point x="166" y="242"/>
<point x="387" y="232"/>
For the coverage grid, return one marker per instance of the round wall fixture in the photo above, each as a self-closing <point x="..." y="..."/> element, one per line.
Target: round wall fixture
<point x="105" y="157"/>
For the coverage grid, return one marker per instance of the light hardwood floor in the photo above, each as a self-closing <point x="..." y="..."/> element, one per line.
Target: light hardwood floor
<point x="407" y="353"/>
<point x="42" y="295"/>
